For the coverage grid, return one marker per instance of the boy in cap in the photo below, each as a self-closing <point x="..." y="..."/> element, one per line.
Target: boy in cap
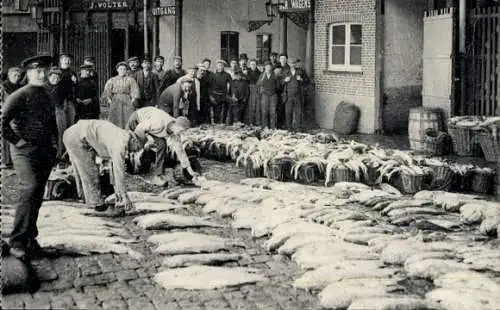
<point x="87" y="102"/>
<point x="8" y="87"/>
<point x="219" y="88"/>
<point x="133" y="63"/>
<point x="165" y="132"/>
<point x="29" y="125"/>
<point x="239" y="98"/>
<point x="173" y="74"/>
<point x="233" y="66"/>
<point x="294" y="83"/>
<point x="149" y="85"/>
<point x="85" y="140"/>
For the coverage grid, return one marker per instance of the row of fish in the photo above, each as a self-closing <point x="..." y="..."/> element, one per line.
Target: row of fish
<point x="345" y="249"/>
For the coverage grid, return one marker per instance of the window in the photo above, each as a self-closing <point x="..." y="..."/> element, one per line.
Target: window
<point x="344" y="51"/>
<point x="229" y="45"/>
<point x="263" y="47"/>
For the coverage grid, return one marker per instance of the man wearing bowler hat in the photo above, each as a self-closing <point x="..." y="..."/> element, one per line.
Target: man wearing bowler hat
<point x="149" y="85"/>
<point x="29" y="125"/>
<point x="173" y="74"/>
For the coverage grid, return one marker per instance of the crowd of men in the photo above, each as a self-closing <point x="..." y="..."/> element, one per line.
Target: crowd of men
<point x="54" y="111"/>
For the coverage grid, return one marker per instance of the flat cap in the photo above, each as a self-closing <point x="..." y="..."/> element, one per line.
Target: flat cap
<point x="65" y="54"/>
<point x="177" y="57"/>
<point x="206" y="59"/>
<point x="267" y="63"/>
<point x="122" y="63"/>
<point x="39" y="61"/>
<point x="133" y="58"/>
<point x="146" y="60"/>
<point x="86" y="67"/>
<point x="89" y="58"/>
<point x="55" y="70"/>
<point x="221" y="61"/>
<point x="243" y="56"/>
<point x="159" y="58"/>
<point x="284" y="54"/>
<point x="274" y="54"/>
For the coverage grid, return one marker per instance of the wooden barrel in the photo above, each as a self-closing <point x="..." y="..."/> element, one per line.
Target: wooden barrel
<point x="419" y="120"/>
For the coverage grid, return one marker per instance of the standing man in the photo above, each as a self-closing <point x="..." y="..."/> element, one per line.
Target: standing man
<point x="282" y="72"/>
<point x="177" y="99"/>
<point x="29" y="125"/>
<point x="158" y="68"/>
<point x="204" y="95"/>
<point x="68" y="83"/>
<point x="233" y="67"/>
<point x="244" y="64"/>
<point x="85" y="140"/>
<point x="90" y="61"/>
<point x="238" y="101"/>
<point x="165" y="132"/>
<point x="149" y="85"/>
<point x="269" y="85"/>
<point x="285" y="68"/>
<point x="194" y="109"/>
<point x="87" y="97"/>
<point x="8" y="87"/>
<point x="220" y="84"/>
<point x="173" y="74"/>
<point x="273" y="58"/>
<point x="253" y="113"/>
<point x="293" y="95"/>
<point x="133" y="64"/>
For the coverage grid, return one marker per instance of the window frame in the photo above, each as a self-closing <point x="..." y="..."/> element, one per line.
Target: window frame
<point x="227" y="49"/>
<point x="258" y="37"/>
<point x="346" y="67"/>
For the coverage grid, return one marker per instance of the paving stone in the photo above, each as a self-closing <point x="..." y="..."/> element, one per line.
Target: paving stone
<point x="47" y="287"/>
<point x="115" y="304"/>
<point x="104" y="278"/>
<point x="216" y="304"/>
<point x="187" y="304"/>
<point x="109" y="264"/>
<point x="207" y="295"/>
<point x="130" y="263"/>
<point x="141" y="303"/>
<point x="117" y="285"/>
<point x="107" y="294"/>
<point x="124" y="275"/>
<point x="62" y="302"/>
<point x="261" y="258"/>
<point x="167" y="305"/>
<point x="145" y="272"/>
<point x="83" y="281"/>
<point x="278" y="267"/>
<point x="87" y="304"/>
<point x="242" y="304"/>
<point x="91" y="270"/>
<point x="129" y="292"/>
<point x="12" y="301"/>
<point x="63" y="283"/>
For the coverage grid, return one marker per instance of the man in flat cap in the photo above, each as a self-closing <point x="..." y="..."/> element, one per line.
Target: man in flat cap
<point x="158" y="68"/>
<point x="219" y="89"/>
<point x="203" y="76"/>
<point x="88" y="138"/>
<point x="87" y="95"/>
<point x="90" y="61"/>
<point x="273" y="58"/>
<point x="56" y="94"/>
<point x="233" y="66"/>
<point x="194" y="109"/>
<point x="165" y="131"/>
<point x="8" y="87"/>
<point x="149" y="85"/>
<point x="29" y="125"/>
<point x="293" y="96"/>
<point x="269" y="86"/>
<point x="134" y="65"/>
<point x="244" y="64"/>
<point x="177" y="98"/>
<point x="68" y="83"/>
<point x="173" y="74"/>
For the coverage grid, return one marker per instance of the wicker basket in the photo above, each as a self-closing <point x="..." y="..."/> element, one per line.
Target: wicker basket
<point x="442" y="178"/>
<point x="220" y="152"/>
<point x="465" y="142"/>
<point x="309" y="174"/>
<point x="437" y="143"/>
<point x="251" y="172"/>
<point x="372" y="175"/>
<point x="280" y="169"/>
<point x="412" y="183"/>
<point x="462" y="183"/>
<point x="343" y="174"/>
<point x="490" y="146"/>
<point x="482" y="182"/>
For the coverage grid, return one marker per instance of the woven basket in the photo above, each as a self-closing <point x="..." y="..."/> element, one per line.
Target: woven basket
<point x="482" y="182"/>
<point x="343" y="174"/>
<point x="220" y="152"/>
<point x="372" y="175"/>
<point x="462" y="183"/>
<point x="412" y="183"/>
<point x="280" y="169"/>
<point x="251" y="172"/>
<point x="465" y="142"/>
<point x="437" y="143"/>
<point x="442" y="178"/>
<point x="490" y="146"/>
<point x="309" y="174"/>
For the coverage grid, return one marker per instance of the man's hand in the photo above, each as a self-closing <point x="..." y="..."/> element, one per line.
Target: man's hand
<point x="21" y="143"/>
<point x="287" y="79"/>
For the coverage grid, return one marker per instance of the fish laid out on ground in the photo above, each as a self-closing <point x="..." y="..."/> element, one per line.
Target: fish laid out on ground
<point x="190" y="197"/>
<point x="340" y="295"/>
<point x="298" y="227"/>
<point x="207" y="277"/>
<point x="192" y="243"/>
<point x="468" y="280"/>
<point x="169" y="221"/>
<point x="449" y="201"/>
<point x="295" y="242"/>
<point x="185" y="260"/>
<point x="398" y="251"/>
<point x="398" y="213"/>
<point x="148" y="207"/>
<point x="489" y="225"/>
<point x="325" y="275"/>
<point x="463" y="299"/>
<point x="136" y="197"/>
<point x="206" y="197"/>
<point x="389" y="303"/>
<point x="175" y="192"/>
<point x="87" y="245"/>
<point x="403" y="204"/>
<point x="476" y="212"/>
<point x="433" y="267"/>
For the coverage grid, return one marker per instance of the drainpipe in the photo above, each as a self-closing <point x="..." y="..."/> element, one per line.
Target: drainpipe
<point x="284" y="33"/>
<point x="145" y="20"/>
<point x="310" y="43"/>
<point x="462" y="18"/>
<point x="178" y="28"/>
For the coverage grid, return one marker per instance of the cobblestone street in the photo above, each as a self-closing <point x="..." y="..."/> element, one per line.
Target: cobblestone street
<point x="109" y="281"/>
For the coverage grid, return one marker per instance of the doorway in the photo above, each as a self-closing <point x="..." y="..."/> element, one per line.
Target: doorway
<point x="117" y="47"/>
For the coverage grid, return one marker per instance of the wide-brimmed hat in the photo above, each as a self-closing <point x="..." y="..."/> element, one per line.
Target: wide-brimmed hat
<point x="186" y="79"/>
<point x="39" y="61"/>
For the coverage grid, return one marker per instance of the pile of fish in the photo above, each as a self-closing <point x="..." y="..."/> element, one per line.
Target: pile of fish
<point x="355" y="257"/>
<point x="68" y="227"/>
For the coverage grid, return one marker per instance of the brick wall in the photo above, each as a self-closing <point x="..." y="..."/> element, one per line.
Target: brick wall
<point x="333" y="87"/>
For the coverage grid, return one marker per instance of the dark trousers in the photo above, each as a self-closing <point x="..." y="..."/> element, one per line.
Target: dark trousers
<point x="33" y="165"/>
<point x="293" y="111"/>
<point x="269" y="105"/>
<point x="6" y="159"/>
<point x="233" y="113"/>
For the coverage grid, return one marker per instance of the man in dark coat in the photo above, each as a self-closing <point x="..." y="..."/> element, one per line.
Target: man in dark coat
<point x="293" y="96"/>
<point x="172" y="75"/>
<point x="90" y="61"/>
<point x="220" y="82"/>
<point x="149" y="85"/>
<point x="87" y="97"/>
<point x="268" y="85"/>
<point x="8" y="87"/>
<point x="158" y="68"/>
<point x="56" y="94"/>
<point x="29" y="125"/>
<point x="204" y="78"/>
<point x="68" y="83"/>
<point x="284" y="70"/>
<point x="238" y="101"/>
<point x="253" y="112"/>
<point x="177" y="99"/>
<point x="273" y="58"/>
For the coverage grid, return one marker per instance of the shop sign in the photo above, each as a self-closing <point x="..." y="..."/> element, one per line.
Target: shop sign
<point x="164" y="11"/>
<point x="296" y="6"/>
<point x="108" y="5"/>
